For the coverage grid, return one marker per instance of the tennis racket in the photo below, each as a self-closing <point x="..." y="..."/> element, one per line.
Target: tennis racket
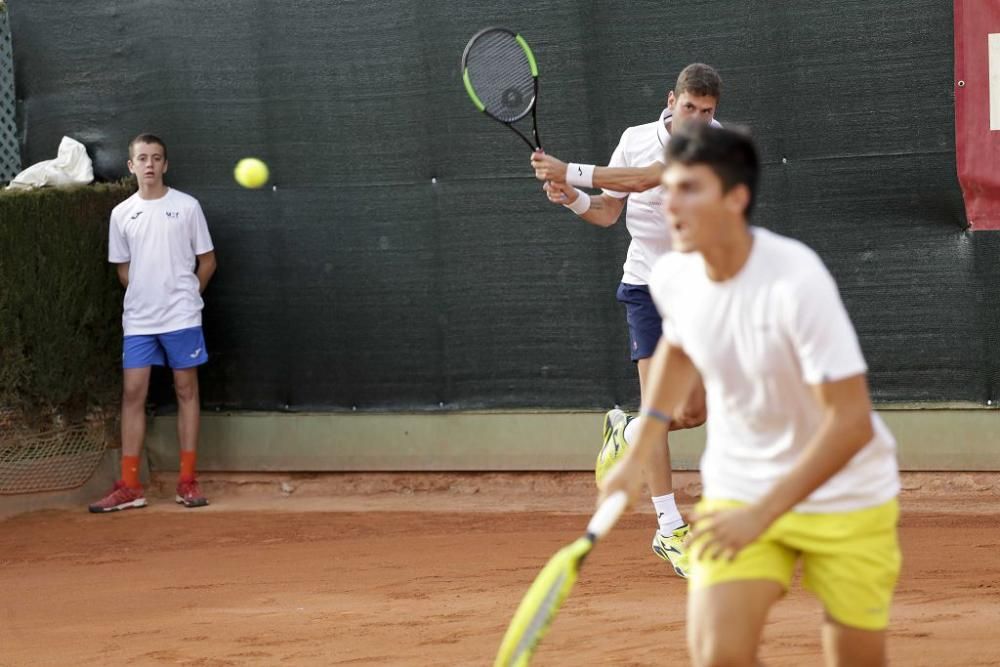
<point x="501" y="77"/>
<point x="552" y="585"/>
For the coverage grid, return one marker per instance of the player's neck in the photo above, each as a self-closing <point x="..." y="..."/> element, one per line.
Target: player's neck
<point x="153" y="190"/>
<point x="727" y="257"/>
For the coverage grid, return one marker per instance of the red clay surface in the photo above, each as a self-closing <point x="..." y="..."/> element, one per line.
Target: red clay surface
<point x="426" y="570"/>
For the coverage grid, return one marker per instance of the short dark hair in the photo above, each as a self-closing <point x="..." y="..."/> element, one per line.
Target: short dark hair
<point x="729" y="152"/>
<point x="146" y="138"/>
<point x="699" y="79"/>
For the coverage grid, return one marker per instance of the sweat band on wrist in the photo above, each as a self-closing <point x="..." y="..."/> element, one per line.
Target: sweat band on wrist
<point x="655" y="414"/>
<point x="580" y="175"/>
<point x="581" y="204"/>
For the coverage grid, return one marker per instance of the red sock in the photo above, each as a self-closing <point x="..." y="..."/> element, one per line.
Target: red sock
<point x="130" y="472"/>
<point x="187" y="466"/>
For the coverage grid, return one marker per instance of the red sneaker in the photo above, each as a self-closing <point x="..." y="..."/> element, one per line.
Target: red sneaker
<point x="189" y="494"/>
<point x="120" y="498"/>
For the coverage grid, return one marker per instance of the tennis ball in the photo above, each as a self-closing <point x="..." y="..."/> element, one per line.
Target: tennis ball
<point x="251" y="172"/>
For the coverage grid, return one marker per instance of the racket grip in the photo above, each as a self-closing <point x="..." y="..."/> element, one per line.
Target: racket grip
<point x="607" y="514"/>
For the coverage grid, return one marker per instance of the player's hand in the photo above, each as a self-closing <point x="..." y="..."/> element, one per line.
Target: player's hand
<point x="626" y="475"/>
<point x="723" y="533"/>
<point x="548" y="168"/>
<point x="560" y="193"/>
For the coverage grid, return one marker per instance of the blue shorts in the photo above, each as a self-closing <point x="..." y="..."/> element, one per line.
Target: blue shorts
<point x="644" y="324"/>
<point x="184" y="348"/>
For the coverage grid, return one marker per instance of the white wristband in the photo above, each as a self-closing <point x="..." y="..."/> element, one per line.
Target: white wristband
<point x="581" y="204"/>
<point x="580" y="175"/>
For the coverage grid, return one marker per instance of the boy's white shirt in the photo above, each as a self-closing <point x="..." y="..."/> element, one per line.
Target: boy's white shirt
<point x="160" y="238"/>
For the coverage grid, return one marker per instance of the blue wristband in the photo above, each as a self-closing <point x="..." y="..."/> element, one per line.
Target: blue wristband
<point x="655" y="414"/>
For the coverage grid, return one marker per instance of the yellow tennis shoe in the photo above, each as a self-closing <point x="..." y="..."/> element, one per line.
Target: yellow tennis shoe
<point x="671" y="549"/>
<point x="614" y="445"/>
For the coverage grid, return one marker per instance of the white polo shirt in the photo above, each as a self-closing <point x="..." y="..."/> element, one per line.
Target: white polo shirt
<point x="160" y="239"/>
<point x="759" y="340"/>
<point x="641" y="146"/>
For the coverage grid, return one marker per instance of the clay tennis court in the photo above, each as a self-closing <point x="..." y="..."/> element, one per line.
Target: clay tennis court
<point x="426" y="570"/>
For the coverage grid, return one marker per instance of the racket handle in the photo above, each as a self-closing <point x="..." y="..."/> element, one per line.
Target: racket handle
<point x="607" y="514"/>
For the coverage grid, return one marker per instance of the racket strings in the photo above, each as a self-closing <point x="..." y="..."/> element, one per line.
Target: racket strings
<point x="501" y="76"/>
<point x="540" y="621"/>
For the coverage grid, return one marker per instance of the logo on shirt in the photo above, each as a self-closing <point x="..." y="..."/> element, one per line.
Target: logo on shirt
<point x="136" y="215"/>
<point x="173" y="214"/>
<point x="579" y="171"/>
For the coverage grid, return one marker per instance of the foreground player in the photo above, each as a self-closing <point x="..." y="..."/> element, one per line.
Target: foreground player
<point x="159" y="239"/>
<point x="636" y="167"/>
<point x="797" y="465"/>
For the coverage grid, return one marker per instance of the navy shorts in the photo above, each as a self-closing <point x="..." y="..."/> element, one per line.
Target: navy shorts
<point x="644" y="323"/>
<point x="184" y="348"/>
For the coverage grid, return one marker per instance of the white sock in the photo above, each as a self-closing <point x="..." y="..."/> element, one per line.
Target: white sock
<point x="632" y="430"/>
<point x="667" y="514"/>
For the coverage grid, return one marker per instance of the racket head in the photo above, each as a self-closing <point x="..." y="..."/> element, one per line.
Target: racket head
<point x="500" y="74"/>
<point x="540" y="604"/>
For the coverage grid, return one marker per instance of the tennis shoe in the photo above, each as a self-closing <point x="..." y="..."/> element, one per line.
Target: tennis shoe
<point x="189" y="494"/>
<point x="671" y="548"/>
<point x="614" y="445"/>
<point x="121" y="497"/>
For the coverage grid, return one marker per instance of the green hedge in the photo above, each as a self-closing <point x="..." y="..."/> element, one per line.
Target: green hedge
<point x="60" y="301"/>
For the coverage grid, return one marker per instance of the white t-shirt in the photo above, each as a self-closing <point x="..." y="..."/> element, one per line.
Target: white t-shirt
<point x="760" y="339"/>
<point x="160" y="238"/>
<point x="641" y="146"/>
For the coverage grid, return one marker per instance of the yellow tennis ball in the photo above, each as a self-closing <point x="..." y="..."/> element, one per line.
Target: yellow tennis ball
<point x="251" y="172"/>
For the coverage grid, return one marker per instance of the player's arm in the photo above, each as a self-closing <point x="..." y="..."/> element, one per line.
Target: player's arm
<point x="601" y="210"/>
<point x="628" y="179"/>
<point x="619" y="179"/>
<point x="672" y="377"/>
<point x="206" y="267"/>
<point x="123" y="273"/>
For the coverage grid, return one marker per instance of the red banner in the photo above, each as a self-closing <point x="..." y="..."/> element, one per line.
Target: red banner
<point x="977" y="109"/>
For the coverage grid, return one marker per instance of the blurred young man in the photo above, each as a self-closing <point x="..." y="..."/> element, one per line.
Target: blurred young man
<point x="797" y="466"/>
<point x="159" y="239"/>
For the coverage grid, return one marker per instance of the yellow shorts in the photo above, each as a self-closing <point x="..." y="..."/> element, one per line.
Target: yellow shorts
<point x="850" y="560"/>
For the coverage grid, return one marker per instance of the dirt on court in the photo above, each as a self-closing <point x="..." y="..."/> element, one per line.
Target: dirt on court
<point x="426" y="570"/>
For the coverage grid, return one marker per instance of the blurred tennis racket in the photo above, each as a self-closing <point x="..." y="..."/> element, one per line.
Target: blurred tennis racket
<point x="552" y="585"/>
<point x="501" y="77"/>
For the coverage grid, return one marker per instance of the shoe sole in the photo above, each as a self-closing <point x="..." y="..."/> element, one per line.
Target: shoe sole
<point x="679" y="572"/>
<point x="662" y="552"/>
<point x="132" y="504"/>
<point x="200" y="502"/>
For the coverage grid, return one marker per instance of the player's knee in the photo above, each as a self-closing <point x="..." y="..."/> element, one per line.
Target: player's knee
<point x="714" y="651"/>
<point x="186" y="391"/>
<point x="134" y="393"/>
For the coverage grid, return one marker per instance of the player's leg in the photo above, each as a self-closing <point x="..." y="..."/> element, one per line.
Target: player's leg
<point x="844" y="646"/>
<point x="672" y="530"/>
<point x="728" y="600"/>
<point x="725" y="621"/>
<point x="188" y="413"/>
<point x="659" y="477"/>
<point x="645" y="329"/>
<point x="185" y="352"/>
<point x="851" y="560"/>
<point x="139" y="353"/>
<point x="135" y="388"/>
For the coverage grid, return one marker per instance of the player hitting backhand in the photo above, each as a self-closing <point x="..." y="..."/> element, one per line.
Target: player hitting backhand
<point x="633" y="174"/>
<point x="797" y="467"/>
